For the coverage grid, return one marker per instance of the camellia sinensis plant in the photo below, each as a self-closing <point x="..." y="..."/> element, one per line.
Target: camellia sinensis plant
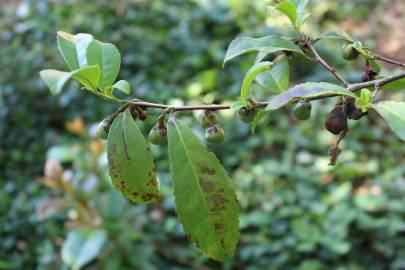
<point x="205" y="199"/>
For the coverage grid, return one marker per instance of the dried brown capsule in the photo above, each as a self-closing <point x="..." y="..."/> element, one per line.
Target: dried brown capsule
<point x="353" y="112"/>
<point x="336" y="121"/>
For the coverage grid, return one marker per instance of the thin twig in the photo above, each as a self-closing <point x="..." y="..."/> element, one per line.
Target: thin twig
<point x="335" y="150"/>
<point x="325" y="64"/>
<point x="379" y="82"/>
<point x="382" y="58"/>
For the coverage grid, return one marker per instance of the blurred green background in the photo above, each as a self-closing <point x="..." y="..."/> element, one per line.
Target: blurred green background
<point x="296" y="212"/>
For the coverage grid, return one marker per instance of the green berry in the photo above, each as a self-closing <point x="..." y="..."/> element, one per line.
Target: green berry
<point x="102" y="129"/>
<point x="302" y="110"/>
<point x="246" y="115"/>
<point x="214" y="134"/>
<point x="208" y="119"/>
<point x="349" y="52"/>
<point x="158" y="135"/>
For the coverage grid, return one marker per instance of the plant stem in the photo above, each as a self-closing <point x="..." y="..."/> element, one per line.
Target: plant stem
<point x="382" y="58"/>
<point x="325" y="64"/>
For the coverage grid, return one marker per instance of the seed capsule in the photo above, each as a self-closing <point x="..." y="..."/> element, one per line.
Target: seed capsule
<point x="158" y="135"/>
<point x="208" y="119"/>
<point x="353" y="112"/>
<point x="349" y="52"/>
<point x="246" y="115"/>
<point x="336" y="121"/>
<point x="214" y="134"/>
<point x="103" y="129"/>
<point x="302" y="110"/>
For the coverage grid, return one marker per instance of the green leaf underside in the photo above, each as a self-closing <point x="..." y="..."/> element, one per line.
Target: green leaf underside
<point x="121" y="85"/>
<point x="269" y="44"/>
<point x="82" y="41"/>
<point x="300" y="4"/>
<point x="205" y="200"/>
<point x="67" y="48"/>
<point x="337" y="34"/>
<point x="130" y="162"/>
<point x="275" y="80"/>
<point x="395" y="85"/>
<point x="82" y="246"/>
<point x="298" y="92"/>
<point x="107" y="56"/>
<point x="394" y="113"/>
<point x="249" y="78"/>
<point x="288" y="9"/>
<point x="56" y="80"/>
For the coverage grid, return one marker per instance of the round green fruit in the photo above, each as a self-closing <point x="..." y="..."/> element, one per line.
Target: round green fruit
<point x="214" y="134"/>
<point x="302" y="110"/>
<point x="158" y="135"/>
<point x="349" y="52"/>
<point x="246" y="115"/>
<point x="103" y="129"/>
<point x="208" y="119"/>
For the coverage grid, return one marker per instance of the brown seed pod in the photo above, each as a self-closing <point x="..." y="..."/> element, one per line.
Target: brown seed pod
<point x="336" y="121"/>
<point x="353" y="112"/>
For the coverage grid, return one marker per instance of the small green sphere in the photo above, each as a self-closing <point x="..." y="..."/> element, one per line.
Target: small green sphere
<point x="158" y="135"/>
<point x="214" y="134"/>
<point x="302" y="110"/>
<point x="246" y="115"/>
<point x="349" y="52"/>
<point x="208" y="119"/>
<point x="103" y="129"/>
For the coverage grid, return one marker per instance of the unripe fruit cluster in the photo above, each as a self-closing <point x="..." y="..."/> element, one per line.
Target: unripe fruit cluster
<point x="214" y="133"/>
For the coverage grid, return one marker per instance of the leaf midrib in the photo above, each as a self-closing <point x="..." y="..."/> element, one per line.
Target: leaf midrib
<point x="194" y="173"/>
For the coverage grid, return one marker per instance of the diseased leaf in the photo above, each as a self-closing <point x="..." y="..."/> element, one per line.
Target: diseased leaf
<point x="394" y="113"/>
<point x="56" y="80"/>
<point x="298" y="92"/>
<point x="276" y="80"/>
<point x="337" y="34"/>
<point x="82" y="246"/>
<point x="121" y="85"/>
<point x="67" y="48"/>
<point x="249" y="78"/>
<point x="288" y="9"/>
<point x="268" y="45"/>
<point x="130" y="162"/>
<point x="205" y="199"/>
<point x="107" y="56"/>
<point x="82" y="41"/>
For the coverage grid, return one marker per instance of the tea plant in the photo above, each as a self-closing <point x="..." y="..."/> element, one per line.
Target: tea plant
<point x="205" y="199"/>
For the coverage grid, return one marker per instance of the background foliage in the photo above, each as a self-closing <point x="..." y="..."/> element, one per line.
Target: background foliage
<point x="297" y="213"/>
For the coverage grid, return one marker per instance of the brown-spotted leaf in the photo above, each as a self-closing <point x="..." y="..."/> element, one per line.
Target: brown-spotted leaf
<point x="205" y="199"/>
<point x="130" y="162"/>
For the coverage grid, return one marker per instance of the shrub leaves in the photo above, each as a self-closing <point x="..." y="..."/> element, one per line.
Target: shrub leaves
<point x="205" y="199"/>
<point x="130" y="163"/>
<point x="394" y="113"/>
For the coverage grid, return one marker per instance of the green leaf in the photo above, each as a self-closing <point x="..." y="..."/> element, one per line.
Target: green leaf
<point x="276" y="80"/>
<point x="394" y="113"/>
<point x="364" y="101"/>
<point x="300" y="4"/>
<point x="395" y="85"/>
<point x="205" y="199"/>
<point x="107" y="56"/>
<point x="337" y="34"/>
<point x="301" y="91"/>
<point x="288" y="9"/>
<point x="56" y="80"/>
<point x="82" y="41"/>
<point x="268" y="45"/>
<point x="121" y="85"/>
<point x="249" y="78"/>
<point x="67" y="48"/>
<point x="82" y="246"/>
<point x="130" y="162"/>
